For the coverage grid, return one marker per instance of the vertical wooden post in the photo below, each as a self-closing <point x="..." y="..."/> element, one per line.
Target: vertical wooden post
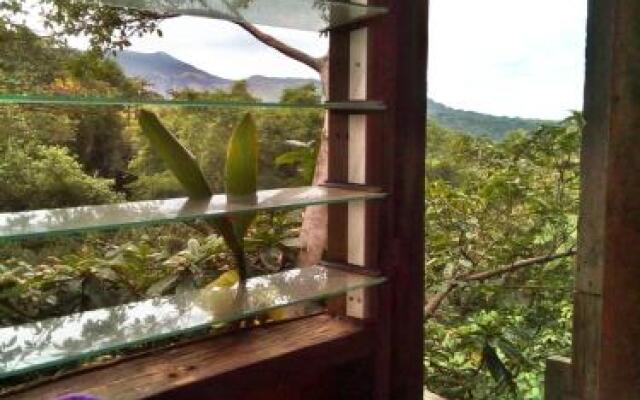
<point x="385" y="149"/>
<point x="357" y="302"/>
<point x="557" y="378"/>
<point x="338" y="137"/>
<point x="396" y="162"/>
<point x="606" y="355"/>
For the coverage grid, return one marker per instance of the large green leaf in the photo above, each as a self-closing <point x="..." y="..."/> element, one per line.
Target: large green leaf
<point x="184" y="166"/>
<point x="177" y="158"/>
<point x="241" y="170"/>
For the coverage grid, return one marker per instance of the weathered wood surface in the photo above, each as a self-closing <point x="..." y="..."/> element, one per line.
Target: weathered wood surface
<point x="396" y="162"/>
<point x="338" y="144"/>
<point x="358" y="302"/>
<point x="394" y="157"/>
<point x="295" y="360"/>
<point x="606" y="352"/>
<point x="557" y="378"/>
<point x="338" y="131"/>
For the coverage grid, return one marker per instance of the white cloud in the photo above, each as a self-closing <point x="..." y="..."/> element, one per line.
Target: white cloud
<point x="222" y="48"/>
<point x="503" y="57"/>
<point x="508" y="57"/>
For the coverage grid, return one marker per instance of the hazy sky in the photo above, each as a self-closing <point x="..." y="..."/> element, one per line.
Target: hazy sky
<point x="504" y="57"/>
<point x="509" y="57"/>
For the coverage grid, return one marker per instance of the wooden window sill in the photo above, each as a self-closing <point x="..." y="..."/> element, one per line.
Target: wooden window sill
<point x="221" y="366"/>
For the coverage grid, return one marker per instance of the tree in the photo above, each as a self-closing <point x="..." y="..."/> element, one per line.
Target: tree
<point x="42" y="176"/>
<point x="111" y="29"/>
<point x="38" y="65"/>
<point x="303" y="95"/>
<point x="501" y="226"/>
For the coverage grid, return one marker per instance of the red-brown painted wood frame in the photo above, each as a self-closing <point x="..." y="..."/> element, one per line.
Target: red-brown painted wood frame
<point x="384" y="358"/>
<point x="606" y="354"/>
<point x="395" y="157"/>
<point x="311" y="359"/>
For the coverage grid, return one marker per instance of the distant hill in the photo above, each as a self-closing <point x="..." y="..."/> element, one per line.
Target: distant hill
<point x="477" y="123"/>
<point x="165" y="73"/>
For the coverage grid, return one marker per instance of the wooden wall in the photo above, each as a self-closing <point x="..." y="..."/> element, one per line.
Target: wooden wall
<point x="606" y="356"/>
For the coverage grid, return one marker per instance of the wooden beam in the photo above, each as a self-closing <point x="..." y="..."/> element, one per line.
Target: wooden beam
<point x="557" y="378"/>
<point x="606" y="352"/>
<point x="282" y="361"/>
<point x="358" y="302"/>
<point x="396" y="162"/>
<point x="338" y="137"/>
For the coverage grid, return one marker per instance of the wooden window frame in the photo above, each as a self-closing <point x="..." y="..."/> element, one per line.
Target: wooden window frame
<point x="605" y="362"/>
<point x="325" y="357"/>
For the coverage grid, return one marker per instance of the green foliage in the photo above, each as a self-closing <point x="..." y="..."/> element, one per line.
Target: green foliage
<point x="53" y="277"/>
<point x="241" y="173"/>
<point x="240" y="180"/>
<point x="274" y="240"/>
<point x="161" y="185"/>
<point x="178" y="159"/>
<point x="56" y="156"/>
<point x="100" y="141"/>
<point x="26" y="61"/>
<point x="37" y="65"/>
<point x="490" y="204"/>
<point x="304" y="95"/>
<point x="48" y="278"/>
<point x="241" y="168"/>
<point x="206" y="132"/>
<point x="40" y="176"/>
<point x="106" y="27"/>
<point x="478" y="124"/>
<point x="65" y="156"/>
<point x="303" y="156"/>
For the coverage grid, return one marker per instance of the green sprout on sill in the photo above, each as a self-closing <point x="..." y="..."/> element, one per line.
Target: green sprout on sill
<point x="241" y="174"/>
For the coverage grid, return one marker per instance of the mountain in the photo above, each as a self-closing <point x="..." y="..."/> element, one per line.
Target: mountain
<point x="479" y="124"/>
<point x="165" y="73"/>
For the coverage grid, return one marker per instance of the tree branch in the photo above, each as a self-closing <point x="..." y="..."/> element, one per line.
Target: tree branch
<point x="316" y="63"/>
<point x="291" y="52"/>
<point x="433" y="303"/>
<point x="436" y="300"/>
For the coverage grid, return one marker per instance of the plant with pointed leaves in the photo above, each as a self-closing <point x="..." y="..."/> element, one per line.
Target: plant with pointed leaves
<point x="241" y="173"/>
